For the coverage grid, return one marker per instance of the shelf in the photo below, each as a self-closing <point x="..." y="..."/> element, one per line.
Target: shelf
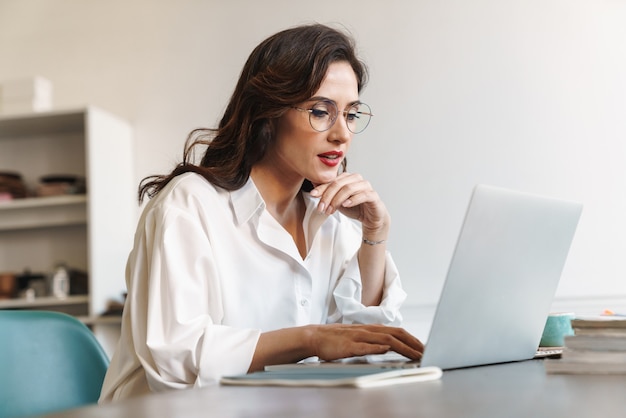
<point x="91" y="232"/>
<point x="34" y="202"/>
<point x="41" y="212"/>
<point x="43" y="302"/>
<point x="44" y="123"/>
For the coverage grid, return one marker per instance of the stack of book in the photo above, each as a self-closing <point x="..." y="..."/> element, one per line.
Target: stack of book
<point x="598" y="346"/>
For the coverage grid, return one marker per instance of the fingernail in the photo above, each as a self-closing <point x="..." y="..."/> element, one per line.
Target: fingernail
<point x="315" y="192"/>
<point x="321" y="207"/>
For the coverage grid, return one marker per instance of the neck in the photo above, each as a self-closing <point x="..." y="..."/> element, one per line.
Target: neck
<point x="280" y="194"/>
<point x="284" y="202"/>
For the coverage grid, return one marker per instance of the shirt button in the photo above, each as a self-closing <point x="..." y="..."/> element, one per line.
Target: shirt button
<point x="304" y="302"/>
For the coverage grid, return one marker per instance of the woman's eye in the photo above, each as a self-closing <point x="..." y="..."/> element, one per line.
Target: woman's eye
<point x="319" y="113"/>
<point x="352" y="116"/>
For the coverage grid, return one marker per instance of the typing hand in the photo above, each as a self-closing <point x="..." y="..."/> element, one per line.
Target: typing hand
<point x="336" y="341"/>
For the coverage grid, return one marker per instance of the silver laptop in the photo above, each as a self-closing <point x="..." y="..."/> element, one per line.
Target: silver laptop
<point x="502" y="278"/>
<point x="500" y="284"/>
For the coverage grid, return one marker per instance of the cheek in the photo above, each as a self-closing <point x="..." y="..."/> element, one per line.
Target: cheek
<point x="294" y="138"/>
<point x="286" y="134"/>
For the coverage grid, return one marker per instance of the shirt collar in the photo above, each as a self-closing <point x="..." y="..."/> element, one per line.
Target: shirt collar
<point x="246" y="201"/>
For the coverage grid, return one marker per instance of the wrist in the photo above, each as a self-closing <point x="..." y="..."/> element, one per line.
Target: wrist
<point x="375" y="236"/>
<point x="378" y="231"/>
<point x="309" y="333"/>
<point x="373" y="242"/>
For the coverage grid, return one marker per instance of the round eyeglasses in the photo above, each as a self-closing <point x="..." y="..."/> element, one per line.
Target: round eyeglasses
<point x="323" y="115"/>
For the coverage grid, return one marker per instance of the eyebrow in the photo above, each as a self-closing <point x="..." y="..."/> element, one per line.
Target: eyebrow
<point x="326" y="99"/>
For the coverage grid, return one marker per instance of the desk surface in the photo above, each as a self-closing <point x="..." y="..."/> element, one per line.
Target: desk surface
<point x="507" y="390"/>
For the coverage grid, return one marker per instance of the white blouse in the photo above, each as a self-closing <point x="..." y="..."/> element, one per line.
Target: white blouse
<point x="212" y="269"/>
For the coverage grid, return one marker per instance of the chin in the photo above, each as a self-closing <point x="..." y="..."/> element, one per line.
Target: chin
<point x="323" y="179"/>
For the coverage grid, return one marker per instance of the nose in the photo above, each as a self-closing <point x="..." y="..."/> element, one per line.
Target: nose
<point x="339" y="132"/>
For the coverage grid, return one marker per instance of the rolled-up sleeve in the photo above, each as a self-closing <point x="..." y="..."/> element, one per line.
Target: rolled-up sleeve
<point x="347" y="297"/>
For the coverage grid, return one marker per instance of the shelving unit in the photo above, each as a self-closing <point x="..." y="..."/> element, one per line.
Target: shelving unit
<point x="91" y="232"/>
<point x="42" y="212"/>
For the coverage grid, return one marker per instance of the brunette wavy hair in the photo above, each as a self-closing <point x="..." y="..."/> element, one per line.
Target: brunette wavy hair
<point x="285" y="69"/>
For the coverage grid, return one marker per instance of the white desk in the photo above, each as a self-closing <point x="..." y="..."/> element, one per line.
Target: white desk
<point x="504" y="391"/>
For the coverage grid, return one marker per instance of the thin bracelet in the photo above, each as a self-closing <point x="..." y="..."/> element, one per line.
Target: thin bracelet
<point x="369" y="242"/>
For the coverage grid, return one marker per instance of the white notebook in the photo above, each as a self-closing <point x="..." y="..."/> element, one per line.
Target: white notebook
<point x="360" y="377"/>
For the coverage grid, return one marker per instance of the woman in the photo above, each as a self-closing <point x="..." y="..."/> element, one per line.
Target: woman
<point x="253" y="256"/>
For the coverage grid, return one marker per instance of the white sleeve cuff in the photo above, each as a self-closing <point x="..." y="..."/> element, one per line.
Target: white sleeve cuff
<point x="347" y="295"/>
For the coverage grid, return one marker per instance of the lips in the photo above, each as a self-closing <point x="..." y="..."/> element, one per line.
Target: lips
<point x="331" y="158"/>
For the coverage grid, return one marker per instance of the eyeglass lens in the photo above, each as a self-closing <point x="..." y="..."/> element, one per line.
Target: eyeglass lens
<point x="324" y="114"/>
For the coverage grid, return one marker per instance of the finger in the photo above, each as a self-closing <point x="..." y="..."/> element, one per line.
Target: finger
<point x="359" y="197"/>
<point x="372" y="329"/>
<point x="398" y="339"/>
<point x="349" y="195"/>
<point x="408" y="352"/>
<point x="400" y="347"/>
<point x="319" y="189"/>
<point x="364" y="349"/>
<point x="336" y="193"/>
<point x="405" y="336"/>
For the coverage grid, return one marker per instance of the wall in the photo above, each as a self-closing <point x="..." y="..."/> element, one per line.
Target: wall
<point x="529" y="95"/>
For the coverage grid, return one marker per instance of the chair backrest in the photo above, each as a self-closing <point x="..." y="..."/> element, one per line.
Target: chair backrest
<point x="49" y="362"/>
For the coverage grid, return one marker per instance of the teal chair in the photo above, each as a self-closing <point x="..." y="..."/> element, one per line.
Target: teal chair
<point x="49" y="362"/>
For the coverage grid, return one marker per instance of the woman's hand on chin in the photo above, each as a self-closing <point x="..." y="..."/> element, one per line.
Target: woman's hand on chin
<point x="354" y="197"/>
